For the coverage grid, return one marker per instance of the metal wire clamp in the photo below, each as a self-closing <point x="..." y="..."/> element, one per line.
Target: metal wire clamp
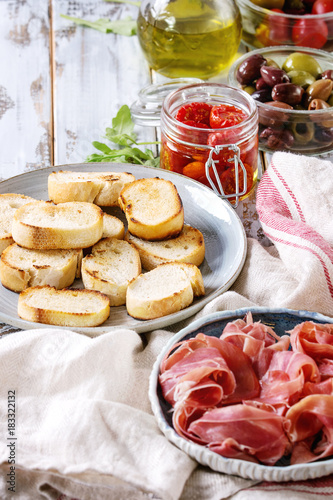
<point x="210" y="164"/>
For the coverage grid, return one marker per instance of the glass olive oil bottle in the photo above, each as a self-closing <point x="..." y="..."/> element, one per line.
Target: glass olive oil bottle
<point x="189" y="38"/>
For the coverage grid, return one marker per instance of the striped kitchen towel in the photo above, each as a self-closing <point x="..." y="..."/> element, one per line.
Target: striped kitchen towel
<point x="313" y="489"/>
<point x="295" y="208"/>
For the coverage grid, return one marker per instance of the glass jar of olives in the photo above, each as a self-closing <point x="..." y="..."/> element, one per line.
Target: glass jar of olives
<point x="280" y="22"/>
<point x="294" y="94"/>
<point x="209" y="132"/>
<point x="189" y="38"/>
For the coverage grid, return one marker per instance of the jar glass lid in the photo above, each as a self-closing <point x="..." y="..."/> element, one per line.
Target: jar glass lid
<point x="147" y="109"/>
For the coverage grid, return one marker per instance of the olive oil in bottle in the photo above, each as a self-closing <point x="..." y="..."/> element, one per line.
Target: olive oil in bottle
<point x="189" y="38"/>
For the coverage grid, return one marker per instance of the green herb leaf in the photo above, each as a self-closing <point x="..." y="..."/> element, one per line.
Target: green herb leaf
<point x="122" y="134"/>
<point x="102" y="147"/>
<point x="126" y="26"/>
<point x="126" y="155"/>
<point x="122" y="128"/>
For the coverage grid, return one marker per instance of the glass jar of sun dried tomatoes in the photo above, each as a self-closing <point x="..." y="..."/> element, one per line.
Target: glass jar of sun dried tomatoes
<point x="209" y="132"/>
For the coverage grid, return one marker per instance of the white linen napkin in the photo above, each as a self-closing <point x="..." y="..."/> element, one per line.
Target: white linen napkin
<point x="82" y="408"/>
<point x="84" y="426"/>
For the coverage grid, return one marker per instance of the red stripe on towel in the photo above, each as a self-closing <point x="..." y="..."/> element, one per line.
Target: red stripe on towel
<point x="289" y="191"/>
<point x="323" y="486"/>
<point x="295" y="245"/>
<point x="272" y="199"/>
<point x="274" y="214"/>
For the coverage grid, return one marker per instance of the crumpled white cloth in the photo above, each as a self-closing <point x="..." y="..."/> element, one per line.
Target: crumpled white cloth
<point x="295" y="207"/>
<point x="84" y="425"/>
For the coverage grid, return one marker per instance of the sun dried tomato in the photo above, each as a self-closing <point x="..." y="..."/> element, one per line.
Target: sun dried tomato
<point x="223" y="137"/>
<point x="203" y="179"/>
<point x="195" y="111"/>
<point x="203" y="157"/>
<point x="190" y="154"/>
<point x="224" y="115"/>
<point x="195" y="169"/>
<point x="173" y="160"/>
<point x="192" y="123"/>
<point x="229" y="182"/>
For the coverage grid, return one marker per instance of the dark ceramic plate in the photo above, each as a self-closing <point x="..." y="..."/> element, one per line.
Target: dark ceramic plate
<point x="281" y="320"/>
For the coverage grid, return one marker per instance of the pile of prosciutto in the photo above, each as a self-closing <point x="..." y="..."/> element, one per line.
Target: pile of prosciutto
<point x="252" y="395"/>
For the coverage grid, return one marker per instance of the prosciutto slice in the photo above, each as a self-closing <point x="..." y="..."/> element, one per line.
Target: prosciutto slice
<point x="256" y="330"/>
<point x="202" y="377"/>
<point x="211" y="372"/>
<point x="283" y="383"/>
<point x="247" y="395"/>
<point x="313" y="339"/>
<point x="325" y="367"/>
<point x="323" y="387"/>
<point x="256" y="340"/>
<point x="311" y="428"/>
<point x="257" y="435"/>
<point x="247" y="383"/>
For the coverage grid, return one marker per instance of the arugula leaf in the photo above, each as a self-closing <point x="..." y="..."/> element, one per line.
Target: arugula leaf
<point x="122" y="134"/>
<point x="102" y="147"/>
<point x="122" y="128"/>
<point x="126" y="26"/>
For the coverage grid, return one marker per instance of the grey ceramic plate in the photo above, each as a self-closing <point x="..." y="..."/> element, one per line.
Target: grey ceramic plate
<point x="222" y="229"/>
<point x="280" y="320"/>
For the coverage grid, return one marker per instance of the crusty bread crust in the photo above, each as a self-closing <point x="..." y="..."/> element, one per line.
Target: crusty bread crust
<point x="194" y="275"/>
<point x="153" y="209"/>
<point x="66" y="307"/>
<point x="21" y="268"/>
<point x="165" y="290"/>
<point x="9" y="203"/>
<point x="42" y="225"/>
<point x="101" y="188"/>
<point x="188" y="247"/>
<point x="110" y="267"/>
<point x="113" y="227"/>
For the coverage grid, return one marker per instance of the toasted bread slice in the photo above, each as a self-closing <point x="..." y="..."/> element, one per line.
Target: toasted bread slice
<point x="165" y="290"/>
<point x="9" y="203"/>
<point x="66" y="307"/>
<point x="188" y="247"/>
<point x="44" y="226"/>
<point x="153" y="209"/>
<point x="194" y="275"/>
<point x="113" y="227"/>
<point x="21" y="268"/>
<point x="101" y="188"/>
<point x="110" y="267"/>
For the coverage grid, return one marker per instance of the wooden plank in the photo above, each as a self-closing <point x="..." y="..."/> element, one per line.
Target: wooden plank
<point x="94" y="75"/>
<point x="25" y="87"/>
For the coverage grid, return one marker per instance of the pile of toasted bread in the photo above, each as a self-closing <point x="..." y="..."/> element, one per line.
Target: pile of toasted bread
<point x="151" y="267"/>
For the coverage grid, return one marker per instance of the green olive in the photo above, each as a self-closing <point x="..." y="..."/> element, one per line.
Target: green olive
<point x="271" y="62"/>
<point x="303" y="132"/>
<point x="249" y="89"/>
<point x="302" y="62"/>
<point x="301" y="78"/>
